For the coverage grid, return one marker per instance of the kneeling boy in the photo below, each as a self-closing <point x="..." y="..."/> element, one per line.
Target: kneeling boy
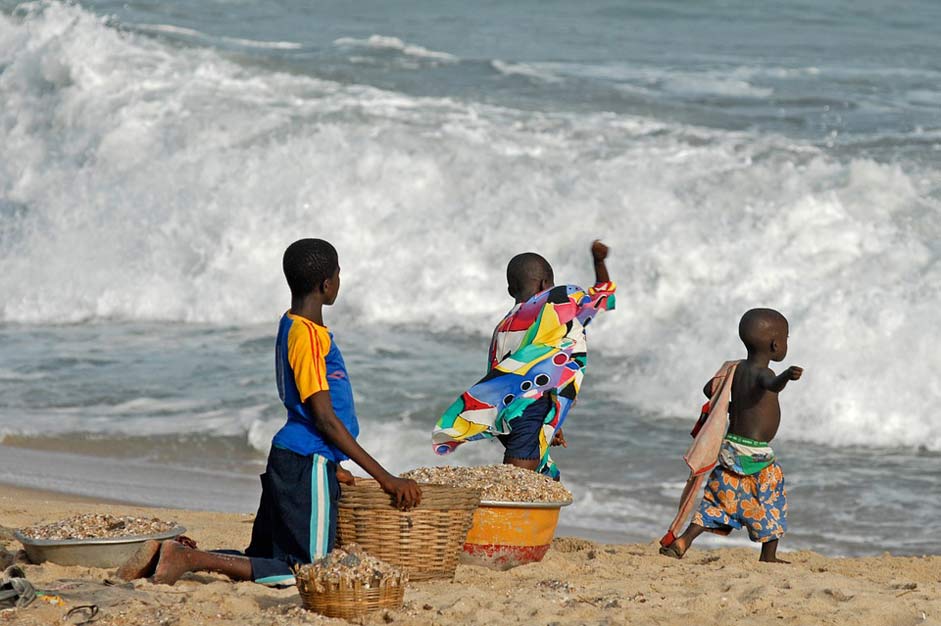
<point x="296" y="520"/>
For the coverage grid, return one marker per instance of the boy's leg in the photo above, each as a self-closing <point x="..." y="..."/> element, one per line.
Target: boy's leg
<point x="142" y="563"/>
<point x="176" y="560"/>
<point x="522" y="443"/>
<point x="302" y="517"/>
<point x="682" y="543"/>
<point x="304" y="494"/>
<point x="772" y="500"/>
<point x="260" y="544"/>
<point x="769" y="550"/>
<point x="301" y="506"/>
<point x="715" y="514"/>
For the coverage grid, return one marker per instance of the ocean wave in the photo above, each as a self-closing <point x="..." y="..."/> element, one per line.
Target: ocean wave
<point x="381" y="42"/>
<point x="524" y="69"/>
<point x="193" y="34"/>
<point x="163" y="184"/>
<point x="735" y="83"/>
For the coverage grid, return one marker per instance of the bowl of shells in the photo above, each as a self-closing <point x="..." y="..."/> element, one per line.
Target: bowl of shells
<point x="517" y="517"/>
<point x="349" y="583"/>
<point x="92" y="539"/>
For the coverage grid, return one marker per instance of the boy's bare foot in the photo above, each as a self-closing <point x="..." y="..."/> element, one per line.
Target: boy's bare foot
<point x="774" y="560"/>
<point x="173" y="563"/>
<point x="769" y="553"/>
<point x="676" y="549"/>
<point x="682" y="543"/>
<point x="142" y="563"/>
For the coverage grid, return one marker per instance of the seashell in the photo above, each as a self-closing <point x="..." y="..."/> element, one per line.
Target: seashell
<point x="502" y="483"/>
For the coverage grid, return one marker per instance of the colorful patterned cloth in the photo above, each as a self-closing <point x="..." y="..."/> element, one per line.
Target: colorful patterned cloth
<point x="539" y="348"/>
<point x="745" y="456"/>
<point x="757" y="502"/>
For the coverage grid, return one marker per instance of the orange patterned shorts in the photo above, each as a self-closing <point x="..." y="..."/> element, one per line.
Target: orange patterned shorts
<point x="757" y="503"/>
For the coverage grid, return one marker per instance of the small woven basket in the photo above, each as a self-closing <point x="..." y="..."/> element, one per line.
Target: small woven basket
<point x="426" y="541"/>
<point x="349" y="599"/>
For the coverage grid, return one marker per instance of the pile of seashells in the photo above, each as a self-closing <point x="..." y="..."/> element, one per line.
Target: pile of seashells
<point x="97" y="526"/>
<point x="498" y="483"/>
<point x="349" y="567"/>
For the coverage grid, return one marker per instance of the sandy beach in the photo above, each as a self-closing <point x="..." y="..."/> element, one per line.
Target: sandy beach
<point x="579" y="582"/>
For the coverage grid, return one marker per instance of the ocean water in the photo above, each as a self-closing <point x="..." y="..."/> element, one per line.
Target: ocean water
<point x="156" y="158"/>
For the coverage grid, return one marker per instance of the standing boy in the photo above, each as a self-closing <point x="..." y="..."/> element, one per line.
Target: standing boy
<point x="296" y="520"/>
<point x="535" y="368"/>
<point x="746" y="489"/>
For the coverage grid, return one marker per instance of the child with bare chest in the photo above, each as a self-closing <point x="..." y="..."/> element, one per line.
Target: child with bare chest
<point x="746" y="488"/>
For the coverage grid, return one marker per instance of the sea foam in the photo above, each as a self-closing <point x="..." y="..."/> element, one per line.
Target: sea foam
<point x="143" y="182"/>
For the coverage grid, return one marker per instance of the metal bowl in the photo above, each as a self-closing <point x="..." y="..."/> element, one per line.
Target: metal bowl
<point x="104" y="553"/>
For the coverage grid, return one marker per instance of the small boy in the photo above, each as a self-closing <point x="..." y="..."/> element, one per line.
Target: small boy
<point x="535" y="366"/>
<point x="746" y="489"/>
<point x="297" y="516"/>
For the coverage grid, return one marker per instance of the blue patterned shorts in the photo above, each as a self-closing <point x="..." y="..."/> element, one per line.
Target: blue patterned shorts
<point x="757" y="502"/>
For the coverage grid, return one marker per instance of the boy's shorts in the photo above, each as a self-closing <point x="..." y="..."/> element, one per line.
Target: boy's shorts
<point x="757" y="502"/>
<point x="523" y="440"/>
<point x="297" y="517"/>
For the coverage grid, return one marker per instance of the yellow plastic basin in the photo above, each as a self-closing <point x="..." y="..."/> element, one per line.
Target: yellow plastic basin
<point x="508" y="534"/>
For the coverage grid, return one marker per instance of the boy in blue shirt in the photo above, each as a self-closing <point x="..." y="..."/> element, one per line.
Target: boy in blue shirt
<point x="296" y="520"/>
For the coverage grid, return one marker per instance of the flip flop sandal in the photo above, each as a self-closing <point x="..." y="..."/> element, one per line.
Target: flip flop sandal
<point x="84" y="614"/>
<point x="16" y="592"/>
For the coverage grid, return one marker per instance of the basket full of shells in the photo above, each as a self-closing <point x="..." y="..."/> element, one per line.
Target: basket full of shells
<point x="425" y="541"/>
<point x="349" y="583"/>
<point x="517" y="516"/>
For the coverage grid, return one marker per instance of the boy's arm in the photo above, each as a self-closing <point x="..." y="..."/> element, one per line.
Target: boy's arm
<point x="777" y="383"/>
<point x="599" y="252"/>
<point x="406" y="492"/>
<point x="601" y="295"/>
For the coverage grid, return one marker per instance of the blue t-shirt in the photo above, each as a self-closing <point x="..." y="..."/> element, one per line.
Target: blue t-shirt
<point x="307" y="361"/>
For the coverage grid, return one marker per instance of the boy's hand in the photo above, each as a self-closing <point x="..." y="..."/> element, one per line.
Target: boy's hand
<point x="794" y="372"/>
<point x="345" y="477"/>
<point x="405" y="491"/>
<point x="558" y="439"/>
<point x="599" y="251"/>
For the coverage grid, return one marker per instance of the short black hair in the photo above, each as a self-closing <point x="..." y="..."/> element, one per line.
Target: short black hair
<point x="526" y="268"/>
<point x="307" y="264"/>
<point x="758" y="326"/>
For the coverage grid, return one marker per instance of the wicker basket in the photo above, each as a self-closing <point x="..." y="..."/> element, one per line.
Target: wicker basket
<point x="426" y="541"/>
<point x="349" y="600"/>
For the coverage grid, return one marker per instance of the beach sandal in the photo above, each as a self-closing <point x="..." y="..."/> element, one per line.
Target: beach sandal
<point x="15" y="590"/>
<point x="80" y="615"/>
